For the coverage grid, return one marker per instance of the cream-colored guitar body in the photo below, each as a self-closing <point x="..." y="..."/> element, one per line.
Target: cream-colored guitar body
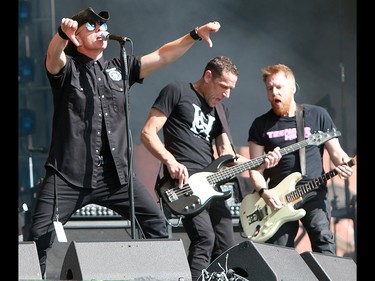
<point x="259" y="221"/>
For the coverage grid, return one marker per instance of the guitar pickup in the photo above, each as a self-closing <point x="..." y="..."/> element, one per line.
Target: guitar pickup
<point x="258" y="215"/>
<point x="263" y="212"/>
<point x="171" y="195"/>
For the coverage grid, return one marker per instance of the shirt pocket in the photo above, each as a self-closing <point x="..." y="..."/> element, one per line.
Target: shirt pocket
<point x="80" y="100"/>
<point x="116" y="95"/>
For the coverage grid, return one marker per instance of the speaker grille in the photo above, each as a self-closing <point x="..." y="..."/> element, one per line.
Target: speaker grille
<point x="259" y="261"/>
<point x="330" y="268"/>
<point x="28" y="262"/>
<point x="148" y="258"/>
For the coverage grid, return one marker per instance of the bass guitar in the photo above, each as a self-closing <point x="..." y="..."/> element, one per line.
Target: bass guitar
<point x="260" y="222"/>
<point x="203" y="186"/>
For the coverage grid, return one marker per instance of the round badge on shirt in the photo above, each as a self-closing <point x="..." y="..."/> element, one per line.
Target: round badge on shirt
<point x="114" y="75"/>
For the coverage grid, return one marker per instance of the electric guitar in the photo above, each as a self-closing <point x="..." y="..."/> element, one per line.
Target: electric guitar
<point x="260" y="222"/>
<point x="203" y="186"/>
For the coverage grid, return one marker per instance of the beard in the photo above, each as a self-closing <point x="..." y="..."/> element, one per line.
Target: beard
<point x="281" y="108"/>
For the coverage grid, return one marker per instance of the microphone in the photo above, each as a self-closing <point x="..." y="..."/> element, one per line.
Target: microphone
<point x="106" y="36"/>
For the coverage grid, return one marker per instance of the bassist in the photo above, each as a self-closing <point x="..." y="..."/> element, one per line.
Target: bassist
<point x="186" y="112"/>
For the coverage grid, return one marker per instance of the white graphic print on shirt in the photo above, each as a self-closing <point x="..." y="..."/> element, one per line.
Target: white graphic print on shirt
<point x="201" y="125"/>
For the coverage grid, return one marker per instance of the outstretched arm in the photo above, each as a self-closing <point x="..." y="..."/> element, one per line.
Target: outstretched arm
<point x="56" y="58"/>
<point x="172" y="51"/>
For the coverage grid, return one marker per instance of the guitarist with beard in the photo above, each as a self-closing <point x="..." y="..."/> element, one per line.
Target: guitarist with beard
<point x="187" y="114"/>
<point x="277" y="128"/>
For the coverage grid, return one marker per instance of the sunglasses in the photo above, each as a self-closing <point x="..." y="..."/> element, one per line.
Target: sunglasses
<point x="91" y="26"/>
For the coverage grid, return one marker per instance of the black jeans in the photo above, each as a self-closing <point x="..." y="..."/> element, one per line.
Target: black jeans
<point x="210" y="234"/>
<point x="68" y="199"/>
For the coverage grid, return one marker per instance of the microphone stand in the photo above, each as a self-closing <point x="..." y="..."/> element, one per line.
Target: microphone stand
<point x="125" y="78"/>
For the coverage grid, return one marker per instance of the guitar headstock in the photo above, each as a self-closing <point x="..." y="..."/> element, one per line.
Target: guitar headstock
<point x="321" y="137"/>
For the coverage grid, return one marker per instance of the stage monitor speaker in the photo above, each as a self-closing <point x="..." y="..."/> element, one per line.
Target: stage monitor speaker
<point x="28" y="262"/>
<point x="331" y="268"/>
<point x="259" y="261"/>
<point x="158" y="259"/>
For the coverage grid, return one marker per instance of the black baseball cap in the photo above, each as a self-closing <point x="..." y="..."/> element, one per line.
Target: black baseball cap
<point x="89" y="15"/>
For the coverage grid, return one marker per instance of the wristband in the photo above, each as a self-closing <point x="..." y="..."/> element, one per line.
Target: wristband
<point x="194" y="34"/>
<point x="261" y="191"/>
<point x="62" y="33"/>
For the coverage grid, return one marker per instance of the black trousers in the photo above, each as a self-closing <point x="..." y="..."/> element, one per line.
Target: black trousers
<point x="57" y="194"/>
<point x="316" y="223"/>
<point x="210" y="233"/>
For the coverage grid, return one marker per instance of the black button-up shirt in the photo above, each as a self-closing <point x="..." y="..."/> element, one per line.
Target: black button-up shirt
<point x="89" y="100"/>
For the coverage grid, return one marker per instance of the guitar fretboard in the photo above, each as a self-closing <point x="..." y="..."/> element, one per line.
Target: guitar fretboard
<point x="314" y="184"/>
<point x="230" y="172"/>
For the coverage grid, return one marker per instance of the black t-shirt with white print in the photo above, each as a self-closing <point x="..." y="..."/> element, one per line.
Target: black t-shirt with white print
<point x="191" y="127"/>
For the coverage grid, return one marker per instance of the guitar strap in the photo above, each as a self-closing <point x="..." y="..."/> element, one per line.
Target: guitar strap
<point x="301" y="137"/>
<point x="224" y="122"/>
<point x="160" y="175"/>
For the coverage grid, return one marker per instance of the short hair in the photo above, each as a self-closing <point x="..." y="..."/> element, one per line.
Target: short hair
<point x="219" y="64"/>
<point x="276" y="68"/>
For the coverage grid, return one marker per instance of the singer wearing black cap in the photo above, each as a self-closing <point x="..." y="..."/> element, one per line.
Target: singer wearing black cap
<point x="87" y="161"/>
